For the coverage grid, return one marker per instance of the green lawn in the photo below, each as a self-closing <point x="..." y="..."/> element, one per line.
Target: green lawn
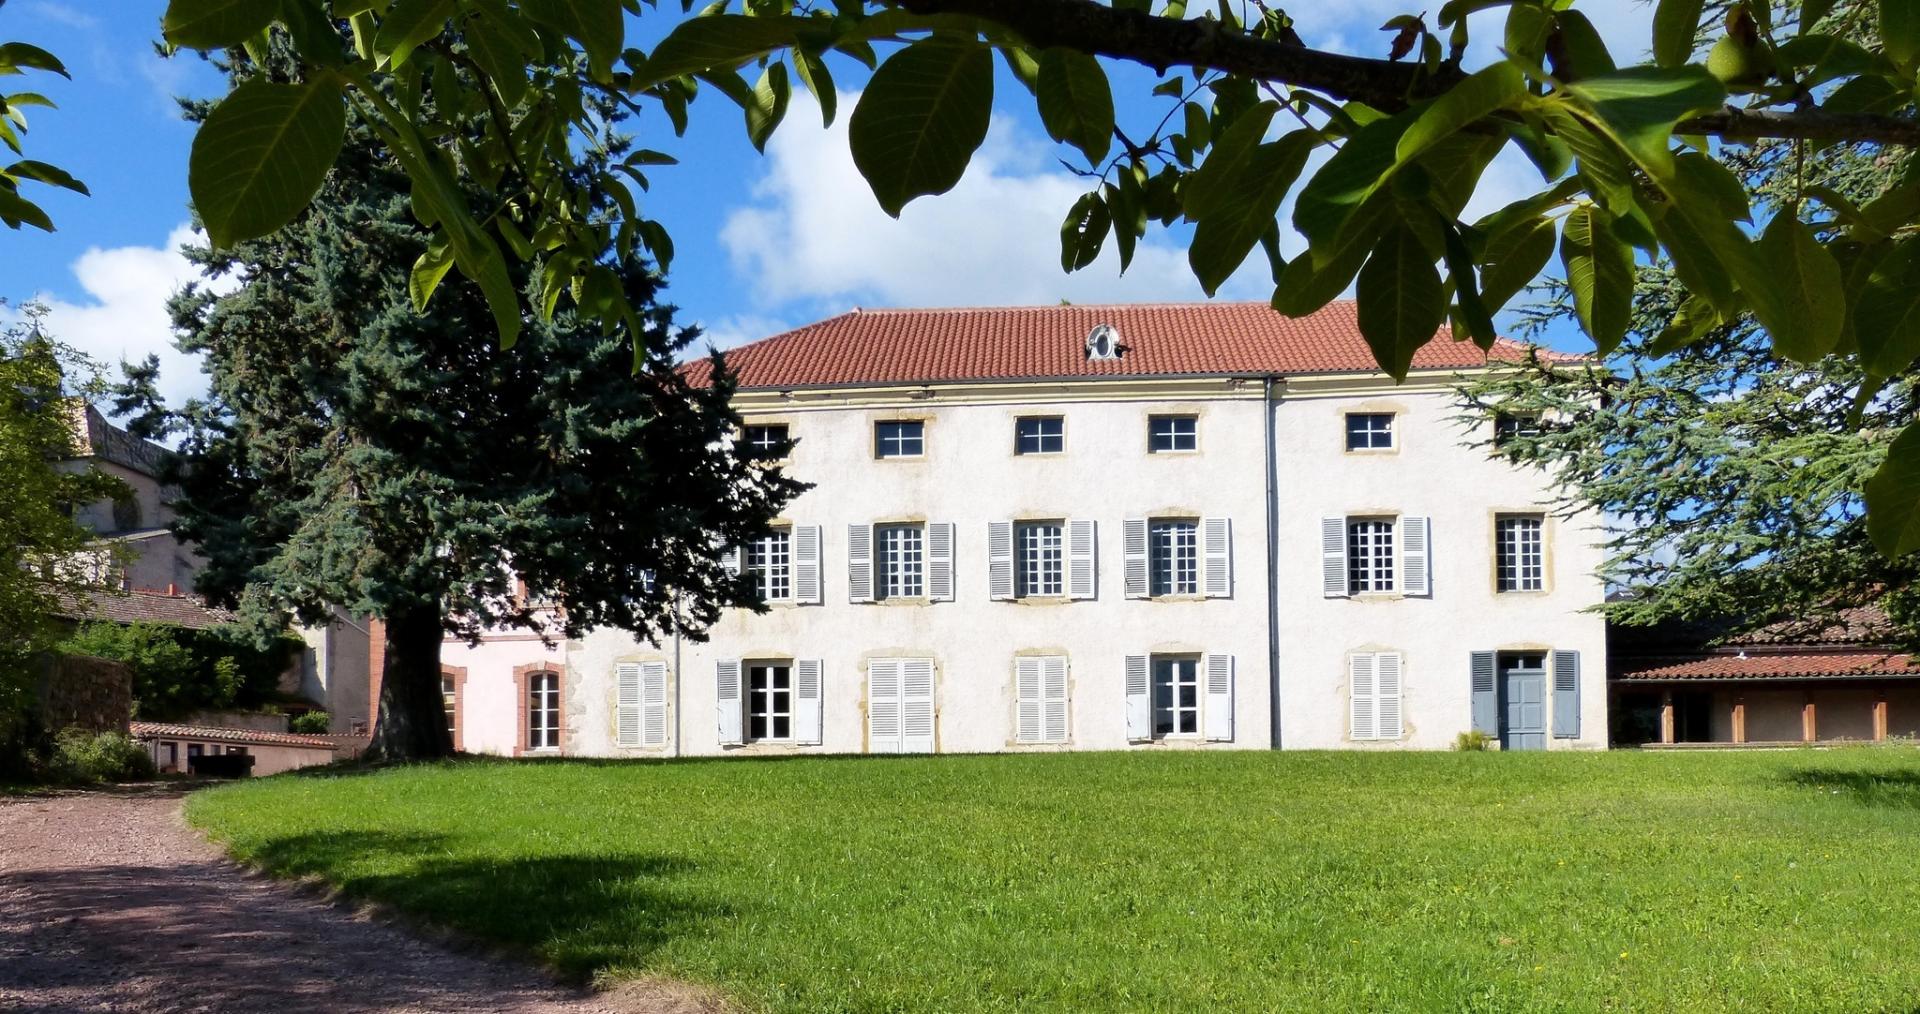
<point x="1197" y="881"/>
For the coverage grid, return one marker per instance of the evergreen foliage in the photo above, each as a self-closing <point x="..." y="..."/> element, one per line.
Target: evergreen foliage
<point x="177" y="670"/>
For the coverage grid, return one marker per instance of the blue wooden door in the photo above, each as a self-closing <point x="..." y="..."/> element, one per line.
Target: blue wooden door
<point x="1523" y="723"/>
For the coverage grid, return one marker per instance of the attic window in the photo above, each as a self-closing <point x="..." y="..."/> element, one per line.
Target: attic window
<point x="1103" y="342"/>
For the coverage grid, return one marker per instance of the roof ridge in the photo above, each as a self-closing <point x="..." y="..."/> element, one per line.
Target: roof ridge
<point x="1173" y="304"/>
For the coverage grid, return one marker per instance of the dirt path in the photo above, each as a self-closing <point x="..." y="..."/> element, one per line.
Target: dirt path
<point x="109" y="902"/>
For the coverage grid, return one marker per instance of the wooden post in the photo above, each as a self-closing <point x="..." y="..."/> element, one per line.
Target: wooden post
<point x="1880" y="717"/>
<point x="1666" y="716"/>
<point x="1809" y="726"/>
<point x="1739" y="718"/>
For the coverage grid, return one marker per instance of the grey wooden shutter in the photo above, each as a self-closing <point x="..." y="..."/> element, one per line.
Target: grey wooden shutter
<point x="1216" y="543"/>
<point x="1486" y="702"/>
<point x="653" y="704"/>
<point x="940" y="561"/>
<point x="730" y="560"/>
<point x="860" y="563"/>
<point x="1082" y="573"/>
<point x="806" y="701"/>
<point x="1362" y="698"/>
<point x="726" y="697"/>
<point x="1333" y="557"/>
<point x="1029" y="699"/>
<point x="1416" y="556"/>
<point x="1000" y="560"/>
<point x="883" y="705"/>
<point x="806" y="564"/>
<point x="1566" y="694"/>
<point x="1219" y="716"/>
<point x="1387" y="688"/>
<point x="1053" y="686"/>
<point x="626" y="705"/>
<point x="916" y="705"/>
<point x="1139" y="717"/>
<point x="1133" y="538"/>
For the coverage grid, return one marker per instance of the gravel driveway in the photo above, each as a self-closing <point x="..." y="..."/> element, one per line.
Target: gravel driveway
<point x="109" y="902"/>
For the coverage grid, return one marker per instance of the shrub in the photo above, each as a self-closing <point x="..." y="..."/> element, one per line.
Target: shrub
<point x="82" y="756"/>
<point x="312" y="723"/>
<point x="177" y="670"/>
<point x="1474" y="740"/>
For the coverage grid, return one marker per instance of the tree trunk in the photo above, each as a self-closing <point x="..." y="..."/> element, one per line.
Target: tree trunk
<point x="412" y="724"/>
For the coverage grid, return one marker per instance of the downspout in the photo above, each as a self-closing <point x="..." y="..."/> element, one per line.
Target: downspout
<point x="678" y="676"/>
<point x="1273" y="561"/>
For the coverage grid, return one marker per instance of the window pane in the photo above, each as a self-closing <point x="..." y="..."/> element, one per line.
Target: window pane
<point x="1370" y="556"/>
<point x="1040" y="435"/>
<point x="901" y="439"/>
<point x="769" y="702"/>
<point x="1041" y="564"/>
<point x="1173" y="557"/>
<point x="1519" y="557"/>
<point x="1172" y="433"/>
<point x="767" y="441"/>
<point x="902" y="561"/>
<point x="769" y="560"/>
<point x="1369" y="431"/>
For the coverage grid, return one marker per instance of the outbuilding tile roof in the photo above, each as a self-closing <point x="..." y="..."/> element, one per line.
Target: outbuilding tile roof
<point x="1767" y="666"/>
<point x="147" y="607"/>
<point x="217" y="734"/>
<point x="1047" y="342"/>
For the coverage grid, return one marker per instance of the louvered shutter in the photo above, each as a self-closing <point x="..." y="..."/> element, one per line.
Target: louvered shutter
<point x="916" y="705"/>
<point x="1133" y="537"/>
<point x="1219" y="717"/>
<point x="1139" y="716"/>
<point x="940" y="562"/>
<point x="883" y="705"/>
<point x="626" y="705"/>
<point x="653" y="704"/>
<point x="1216" y="544"/>
<point x="1029" y="699"/>
<point x="806" y="564"/>
<point x="1416" y="556"/>
<point x="1566" y="694"/>
<point x="726" y="696"/>
<point x="1486" y="702"/>
<point x="1000" y="560"/>
<point x="860" y="563"/>
<point x="730" y="560"/>
<point x="1363" y="698"/>
<point x="1082" y="573"/>
<point x="1333" y="557"/>
<point x="806" y="701"/>
<point x="1387" y="684"/>
<point x="1053" y="685"/>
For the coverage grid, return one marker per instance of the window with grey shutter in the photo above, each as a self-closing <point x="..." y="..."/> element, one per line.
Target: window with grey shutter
<point x="626" y="722"/>
<point x="1333" y="557"/>
<point x="1486" y="700"/>
<point x="940" y="561"/>
<point x="806" y="564"/>
<point x="860" y="563"/>
<point x="807" y="674"/>
<point x="999" y="560"/>
<point x="883" y="705"/>
<point x="1566" y="695"/>
<point x="727" y="708"/>
<point x="1216" y="538"/>
<point x="1139" y="712"/>
<point x="653" y="704"/>
<point x="1219" y="718"/>
<point x="1082" y="572"/>
<point x="1416" y="555"/>
<point x="1133" y="537"/>
<point x="916" y="705"/>
<point x="1029" y="703"/>
<point x="1362" y="698"/>
<point x="1053" y="689"/>
<point x="1387" y="688"/>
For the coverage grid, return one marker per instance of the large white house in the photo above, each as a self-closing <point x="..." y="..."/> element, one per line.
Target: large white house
<point x="1195" y="526"/>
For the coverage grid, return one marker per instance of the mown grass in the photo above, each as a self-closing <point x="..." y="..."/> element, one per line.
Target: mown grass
<point x="1215" y="881"/>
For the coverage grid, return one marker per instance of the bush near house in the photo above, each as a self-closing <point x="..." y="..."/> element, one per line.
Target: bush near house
<point x="80" y="757"/>
<point x="310" y="723"/>
<point x="178" y="670"/>
<point x="1150" y="880"/>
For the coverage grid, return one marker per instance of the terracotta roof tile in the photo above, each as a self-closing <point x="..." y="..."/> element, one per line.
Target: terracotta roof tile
<point x="1768" y="666"/>
<point x="1019" y="343"/>
<point x="217" y="734"/>
<point x="148" y="607"/>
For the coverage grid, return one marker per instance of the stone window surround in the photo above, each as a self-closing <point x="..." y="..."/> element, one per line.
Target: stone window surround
<point x="520" y="674"/>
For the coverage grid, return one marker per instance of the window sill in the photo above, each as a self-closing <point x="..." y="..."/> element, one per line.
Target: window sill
<point x="1040" y="600"/>
<point x="920" y="600"/>
<point x="1186" y="597"/>
<point x="902" y="458"/>
<point x="1372" y="451"/>
<point x="1191" y="451"/>
<point x="1531" y="593"/>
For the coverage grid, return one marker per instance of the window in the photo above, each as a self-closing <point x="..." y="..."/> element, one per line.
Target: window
<point x="448" y="697"/>
<point x="1040" y="692"/>
<point x="543" y="711"/>
<point x="1041" y="559"/>
<point x="1518" y="561"/>
<point x="769" y="702"/>
<point x="770" y="561"/>
<point x="1507" y="425"/>
<point x="1373" y="695"/>
<point x="195" y="750"/>
<point x="1369" y="555"/>
<point x="1040" y="434"/>
<point x="1176" y="697"/>
<point x="1173" y="433"/>
<point x="173" y="754"/>
<point x="1369" y="431"/>
<point x="1174" y="557"/>
<point x="902" y="561"/>
<point x="766" y="442"/>
<point x="236" y="751"/>
<point x="905" y="439"/>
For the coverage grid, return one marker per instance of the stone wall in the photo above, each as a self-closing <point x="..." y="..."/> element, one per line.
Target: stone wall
<point x="83" y="691"/>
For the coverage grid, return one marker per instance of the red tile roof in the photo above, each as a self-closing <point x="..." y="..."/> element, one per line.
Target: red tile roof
<point x="147" y="607"/>
<point x="1768" y="666"/>
<point x="1047" y="342"/>
<point x="216" y="734"/>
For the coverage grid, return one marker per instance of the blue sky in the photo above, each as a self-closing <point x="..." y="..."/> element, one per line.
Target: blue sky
<point x="764" y="242"/>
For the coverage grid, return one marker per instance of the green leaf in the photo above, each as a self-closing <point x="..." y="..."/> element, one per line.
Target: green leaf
<point x="314" y="34"/>
<point x="598" y="25"/>
<point x="501" y="55"/>
<point x="1204" y="192"/>
<point x="1886" y="317"/>
<point x="1083" y="232"/>
<point x="1582" y="52"/>
<point x="1675" y="23"/>
<point x="1893" y="497"/>
<point x="1314" y="279"/>
<point x="1695" y="260"/>
<point x="1900" y="30"/>
<point x="431" y="266"/>
<point x="813" y="73"/>
<point x="1400" y="302"/>
<point x="407" y="25"/>
<point x="16" y="211"/>
<point x="214" y="24"/>
<point x="1361" y="166"/>
<point x="1599" y="267"/>
<point x="1638" y="107"/>
<point x="1513" y="259"/>
<point x="723" y="41"/>
<point x="1481" y="94"/>
<point x="769" y="106"/>
<point x="1802" y="305"/>
<point x="262" y="154"/>
<point x="28" y="169"/>
<point x="30" y="57"/>
<point x="1471" y="310"/>
<point x="922" y="115"/>
<point x="1253" y="193"/>
<point x="1690" y="323"/>
<point x="1075" y="101"/>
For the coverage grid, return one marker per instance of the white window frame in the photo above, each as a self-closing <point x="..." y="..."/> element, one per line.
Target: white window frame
<point x="895" y="573"/>
<point x="1038" y="561"/>
<point x="1374" y="571"/>
<point x="1172" y="543"/>
<point x="1175" y="679"/>
<point x="899" y="440"/>
<point x="1040" y="439"/>
<point x="1179" y="429"/>
<point x="543" y="711"/>
<point x="450" y="700"/>
<point x="761" y="441"/>
<point x="760" y="704"/>
<point x="1519" y="553"/>
<point x="1369" y="433"/>
<point x="770" y="560"/>
<point x="1508" y="425"/>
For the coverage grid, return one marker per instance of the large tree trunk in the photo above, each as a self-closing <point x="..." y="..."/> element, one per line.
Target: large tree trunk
<point x="412" y="724"/>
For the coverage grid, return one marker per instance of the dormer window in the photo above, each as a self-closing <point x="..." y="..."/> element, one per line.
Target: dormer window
<point x="1103" y="342"/>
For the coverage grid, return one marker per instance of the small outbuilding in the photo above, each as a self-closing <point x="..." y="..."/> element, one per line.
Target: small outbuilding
<point x="174" y="747"/>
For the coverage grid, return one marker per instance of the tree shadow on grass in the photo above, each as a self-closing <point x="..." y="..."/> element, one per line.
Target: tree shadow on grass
<point x="1887" y="789"/>
<point x="575" y="913"/>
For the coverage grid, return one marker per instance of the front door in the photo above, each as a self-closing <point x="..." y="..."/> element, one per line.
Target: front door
<point x="1523" y="702"/>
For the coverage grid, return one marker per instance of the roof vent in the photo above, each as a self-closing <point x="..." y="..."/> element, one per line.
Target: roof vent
<point x="1103" y="342"/>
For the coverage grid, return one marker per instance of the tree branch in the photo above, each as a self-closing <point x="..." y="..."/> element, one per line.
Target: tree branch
<point x="1387" y="85"/>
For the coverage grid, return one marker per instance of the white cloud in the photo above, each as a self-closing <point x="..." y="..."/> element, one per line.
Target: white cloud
<point x="815" y="235"/>
<point x="124" y="315"/>
<point x="738" y="329"/>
